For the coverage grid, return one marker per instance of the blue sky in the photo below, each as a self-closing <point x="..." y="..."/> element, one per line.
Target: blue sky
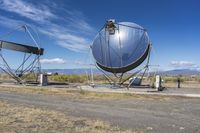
<point x="67" y="28"/>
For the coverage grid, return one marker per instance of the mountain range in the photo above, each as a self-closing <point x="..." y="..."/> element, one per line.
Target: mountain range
<point x="174" y="72"/>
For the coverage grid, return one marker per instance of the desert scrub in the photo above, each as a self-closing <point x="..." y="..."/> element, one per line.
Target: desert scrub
<point x="69" y="78"/>
<point x="197" y="79"/>
<point x="173" y="79"/>
<point x="30" y="76"/>
<point x="99" y="77"/>
<point x="4" y="77"/>
<point x="27" y="76"/>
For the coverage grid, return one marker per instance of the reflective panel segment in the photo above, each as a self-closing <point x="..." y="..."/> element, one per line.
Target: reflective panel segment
<point x="121" y="48"/>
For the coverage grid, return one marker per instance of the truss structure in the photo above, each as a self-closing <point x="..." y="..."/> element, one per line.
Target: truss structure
<point x="30" y="64"/>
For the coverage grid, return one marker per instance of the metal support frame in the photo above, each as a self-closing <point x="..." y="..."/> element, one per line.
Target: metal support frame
<point x="34" y="67"/>
<point x="121" y="82"/>
<point x="145" y="68"/>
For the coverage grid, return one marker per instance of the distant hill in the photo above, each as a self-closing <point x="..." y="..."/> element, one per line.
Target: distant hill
<point x="176" y="72"/>
<point x="71" y="71"/>
<point x="95" y="71"/>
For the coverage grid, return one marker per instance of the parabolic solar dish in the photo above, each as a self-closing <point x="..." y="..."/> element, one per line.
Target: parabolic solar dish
<point x="21" y="61"/>
<point x="120" y="47"/>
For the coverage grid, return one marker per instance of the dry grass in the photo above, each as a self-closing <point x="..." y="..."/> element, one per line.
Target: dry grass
<point x="29" y="119"/>
<point x="79" y="93"/>
<point x="186" y="84"/>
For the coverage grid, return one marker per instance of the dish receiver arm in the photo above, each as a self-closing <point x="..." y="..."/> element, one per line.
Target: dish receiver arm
<point x="21" y="47"/>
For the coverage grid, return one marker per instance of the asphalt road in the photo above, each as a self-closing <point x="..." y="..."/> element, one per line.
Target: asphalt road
<point x="173" y="115"/>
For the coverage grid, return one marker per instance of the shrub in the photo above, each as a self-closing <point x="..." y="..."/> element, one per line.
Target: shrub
<point x="197" y="79"/>
<point x="173" y="79"/>
<point x="69" y="78"/>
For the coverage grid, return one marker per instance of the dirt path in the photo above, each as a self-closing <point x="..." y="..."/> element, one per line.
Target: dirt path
<point x="172" y="115"/>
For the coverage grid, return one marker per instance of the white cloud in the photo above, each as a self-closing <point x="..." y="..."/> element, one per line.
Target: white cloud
<point x="81" y="48"/>
<point x="63" y="38"/>
<point x="183" y="64"/>
<point x="72" y="31"/>
<point x="53" y="61"/>
<point x="10" y="22"/>
<point x="28" y="10"/>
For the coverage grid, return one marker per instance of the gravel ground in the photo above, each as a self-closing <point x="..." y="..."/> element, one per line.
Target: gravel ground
<point x="172" y="114"/>
<point x="15" y="118"/>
